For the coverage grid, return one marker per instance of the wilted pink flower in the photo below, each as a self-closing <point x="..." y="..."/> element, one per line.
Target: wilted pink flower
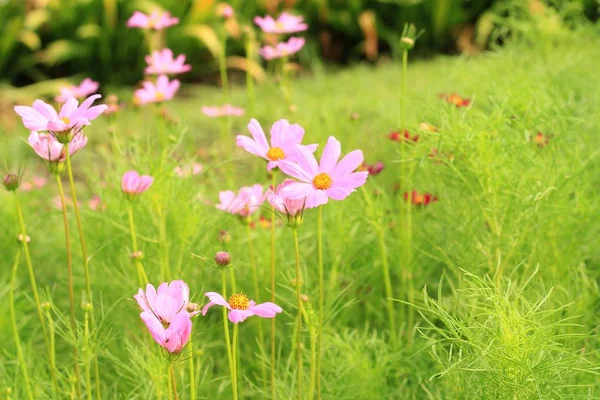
<point x="282" y="49"/>
<point x="226" y="110"/>
<point x="162" y="62"/>
<point x="329" y="179"/>
<point x="48" y="147"/>
<point x="286" y="23"/>
<point x="134" y="184"/>
<point x="285" y="139"/>
<point x="244" y="203"/>
<point x="156" y="92"/>
<point x="164" y="313"/>
<point x="85" y="88"/>
<point x="188" y="170"/>
<point x="156" y="20"/>
<point x="71" y="118"/>
<point x="293" y="208"/>
<point x="240" y="307"/>
<point x="36" y="182"/>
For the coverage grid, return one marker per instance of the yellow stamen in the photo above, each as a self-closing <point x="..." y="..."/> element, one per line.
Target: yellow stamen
<point x="275" y="153"/>
<point x="322" y="181"/>
<point x="66" y="120"/>
<point x="160" y="96"/>
<point x="239" y="301"/>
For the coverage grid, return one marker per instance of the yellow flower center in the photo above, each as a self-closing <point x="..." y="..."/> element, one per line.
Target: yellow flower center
<point x="239" y="301"/>
<point x="322" y="181"/>
<point x="275" y="153"/>
<point x="279" y="25"/>
<point x="160" y="96"/>
<point x="66" y="120"/>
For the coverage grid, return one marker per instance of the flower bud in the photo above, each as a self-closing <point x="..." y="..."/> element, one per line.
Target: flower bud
<point x="224" y="236"/>
<point x="11" y="182"/>
<point x="46" y="306"/>
<point x="192" y="307"/>
<point x="407" y="43"/>
<point x="20" y="238"/>
<point x="137" y="255"/>
<point x="86" y="306"/>
<point x="222" y="258"/>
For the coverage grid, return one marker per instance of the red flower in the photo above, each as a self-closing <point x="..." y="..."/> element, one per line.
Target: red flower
<point x="420" y="199"/>
<point x="373" y="169"/>
<point x="455" y="99"/>
<point x="404" y="137"/>
<point x="541" y="140"/>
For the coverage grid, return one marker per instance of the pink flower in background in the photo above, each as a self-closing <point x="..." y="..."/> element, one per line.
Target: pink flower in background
<point x="244" y="203"/>
<point x="285" y="139"/>
<point x="95" y="203"/>
<point x="164" y="311"/>
<point x="157" y="92"/>
<point x="72" y="116"/>
<point x="184" y="171"/>
<point x="57" y="202"/>
<point x="47" y="146"/>
<point x="85" y="88"/>
<point x="224" y="10"/>
<point x="162" y="62"/>
<point x="279" y="201"/>
<point x="282" y="49"/>
<point x="226" y="110"/>
<point x="37" y="182"/>
<point x="329" y="179"/>
<point x="240" y="307"/>
<point x="134" y="184"/>
<point x="286" y="23"/>
<point x="156" y="20"/>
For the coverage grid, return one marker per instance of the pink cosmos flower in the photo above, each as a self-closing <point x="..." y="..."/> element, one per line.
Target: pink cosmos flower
<point x="49" y="148"/>
<point x="162" y="62"/>
<point x="134" y="184"/>
<point x="329" y="179"/>
<point x="72" y="116"/>
<point x="85" y="88"/>
<point x="226" y="110"/>
<point x="278" y="200"/>
<point x="164" y="311"/>
<point x="156" y="92"/>
<point x="95" y="203"/>
<point x="282" y="49"/>
<point x="37" y="182"/>
<point x="185" y="171"/>
<point x="240" y="307"/>
<point x="285" y="139"/>
<point x="286" y="23"/>
<point x="156" y="20"/>
<point x="244" y="203"/>
<point x="224" y="10"/>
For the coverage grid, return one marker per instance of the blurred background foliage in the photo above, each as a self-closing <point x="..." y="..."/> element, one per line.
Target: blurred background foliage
<point x="43" y="40"/>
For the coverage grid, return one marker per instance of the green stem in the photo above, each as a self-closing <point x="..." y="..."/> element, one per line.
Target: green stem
<point x="192" y="370"/>
<point x="273" y="325"/>
<point x="51" y="332"/>
<point x="249" y="79"/>
<point x="63" y="203"/>
<point x="299" y="318"/>
<point x="261" y="335"/>
<point x="13" y="317"/>
<point x="174" y="380"/>
<point x="169" y="381"/>
<point x="321" y="297"/>
<point x="86" y="267"/>
<point x="313" y="355"/>
<point x="142" y="277"/>
<point x="88" y="355"/>
<point x="285" y="82"/>
<point x="226" y="325"/>
<point x="223" y="64"/>
<point x="234" y="358"/>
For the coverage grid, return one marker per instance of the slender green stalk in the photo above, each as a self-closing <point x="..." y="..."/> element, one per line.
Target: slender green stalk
<point x="192" y="370"/>
<point x="13" y="318"/>
<point x="63" y="203"/>
<point x="88" y="355"/>
<point x="52" y="335"/>
<point x="141" y="272"/>
<point x="249" y="79"/>
<point x="273" y="325"/>
<point x="169" y="381"/>
<point x="299" y="321"/>
<point x="234" y="358"/>
<point x="321" y="297"/>
<point x="86" y="268"/>
<point x="261" y="334"/>
<point x="313" y="355"/>
<point x="285" y="82"/>
<point x="226" y="326"/>
<point x="174" y="380"/>
<point x="223" y="63"/>
<point x="165" y="245"/>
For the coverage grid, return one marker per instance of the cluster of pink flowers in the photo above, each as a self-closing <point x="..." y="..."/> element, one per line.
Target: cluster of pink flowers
<point x="313" y="183"/>
<point x="284" y="24"/>
<point x="160" y="62"/>
<point x="83" y="90"/>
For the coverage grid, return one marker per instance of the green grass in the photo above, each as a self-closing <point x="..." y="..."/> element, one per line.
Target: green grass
<point x="504" y="204"/>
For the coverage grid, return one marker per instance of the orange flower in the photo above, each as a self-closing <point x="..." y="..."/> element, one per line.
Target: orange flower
<point x="404" y="136"/>
<point x="420" y="199"/>
<point x="455" y="99"/>
<point x="541" y="140"/>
